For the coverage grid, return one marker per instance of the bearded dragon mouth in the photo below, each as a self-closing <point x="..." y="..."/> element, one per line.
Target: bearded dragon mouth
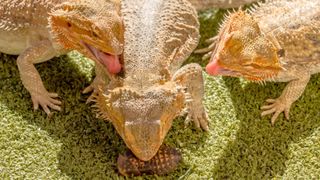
<point x="214" y="69"/>
<point x="111" y="62"/>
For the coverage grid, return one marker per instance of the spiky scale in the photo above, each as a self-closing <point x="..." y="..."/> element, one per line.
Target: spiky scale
<point x="165" y="161"/>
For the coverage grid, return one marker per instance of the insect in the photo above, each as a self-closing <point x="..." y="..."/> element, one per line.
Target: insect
<point x="165" y="161"/>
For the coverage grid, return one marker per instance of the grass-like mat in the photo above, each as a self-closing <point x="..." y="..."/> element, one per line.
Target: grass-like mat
<point x="73" y="144"/>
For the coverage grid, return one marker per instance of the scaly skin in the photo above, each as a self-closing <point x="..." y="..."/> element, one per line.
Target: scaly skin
<point x="165" y="161"/>
<point x="159" y="36"/>
<point x="205" y="4"/>
<point x="39" y="30"/>
<point x="277" y="41"/>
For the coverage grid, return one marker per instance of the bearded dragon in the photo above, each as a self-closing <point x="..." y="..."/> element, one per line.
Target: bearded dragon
<point x="39" y="30"/>
<point x="275" y="41"/>
<point x="153" y="90"/>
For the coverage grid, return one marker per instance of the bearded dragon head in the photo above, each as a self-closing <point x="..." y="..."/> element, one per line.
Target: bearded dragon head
<point x="141" y="119"/>
<point x="93" y="28"/>
<point x="244" y="51"/>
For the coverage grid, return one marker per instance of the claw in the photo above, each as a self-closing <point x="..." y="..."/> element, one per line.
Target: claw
<point x="197" y="123"/>
<point x="204" y="122"/>
<point x="93" y="87"/>
<point x="286" y="113"/>
<point x="207" y="56"/>
<point x="200" y="119"/>
<point x="270" y="100"/>
<point x="56" y="102"/>
<point x="97" y="81"/>
<point x="55" y="107"/>
<point x="211" y="40"/>
<point x="53" y="95"/>
<point x="269" y="111"/>
<point x="88" y="89"/>
<point x="46" y="109"/>
<point x="267" y="107"/>
<point x="205" y="50"/>
<point x="274" y="117"/>
<point x="187" y="120"/>
<point x="35" y="105"/>
<point x="91" y="97"/>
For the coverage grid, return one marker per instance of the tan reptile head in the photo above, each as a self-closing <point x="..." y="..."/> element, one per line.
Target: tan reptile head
<point x="142" y="120"/>
<point x="94" y="29"/>
<point x="153" y="89"/>
<point x="244" y="51"/>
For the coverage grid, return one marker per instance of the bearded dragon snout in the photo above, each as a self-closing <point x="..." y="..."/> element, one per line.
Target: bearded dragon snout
<point x="143" y="138"/>
<point x="146" y="155"/>
<point x="212" y="68"/>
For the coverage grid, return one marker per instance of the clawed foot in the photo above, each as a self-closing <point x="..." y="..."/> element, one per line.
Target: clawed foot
<point x="276" y="106"/>
<point x="90" y="88"/>
<point x="199" y="117"/>
<point x="93" y="87"/>
<point x="208" y="50"/>
<point x="46" y="100"/>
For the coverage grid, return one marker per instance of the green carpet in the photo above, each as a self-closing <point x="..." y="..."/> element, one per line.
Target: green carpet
<point x="73" y="144"/>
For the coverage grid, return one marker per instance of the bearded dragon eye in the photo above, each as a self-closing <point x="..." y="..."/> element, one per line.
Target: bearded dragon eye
<point x="281" y="52"/>
<point x="95" y="34"/>
<point x="68" y="24"/>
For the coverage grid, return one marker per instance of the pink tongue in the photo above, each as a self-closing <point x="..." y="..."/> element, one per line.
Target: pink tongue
<point x="213" y="68"/>
<point x="111" y="62"/>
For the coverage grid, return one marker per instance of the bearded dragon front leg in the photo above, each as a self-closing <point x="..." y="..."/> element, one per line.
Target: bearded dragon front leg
<point x="39" y="52"/>
<point x="190" y="77"/>
<point x="290" y="94"/>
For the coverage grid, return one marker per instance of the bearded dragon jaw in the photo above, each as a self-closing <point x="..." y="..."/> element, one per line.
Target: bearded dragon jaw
<point x="159" y="36"/>
<point x="190" y="77"/>
<point x="40" y="35"/>
<point x="268" y="43"/>
<point x="205" y="4"/>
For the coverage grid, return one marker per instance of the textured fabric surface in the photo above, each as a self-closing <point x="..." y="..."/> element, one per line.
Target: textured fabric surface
<point x="73" y="144"/>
